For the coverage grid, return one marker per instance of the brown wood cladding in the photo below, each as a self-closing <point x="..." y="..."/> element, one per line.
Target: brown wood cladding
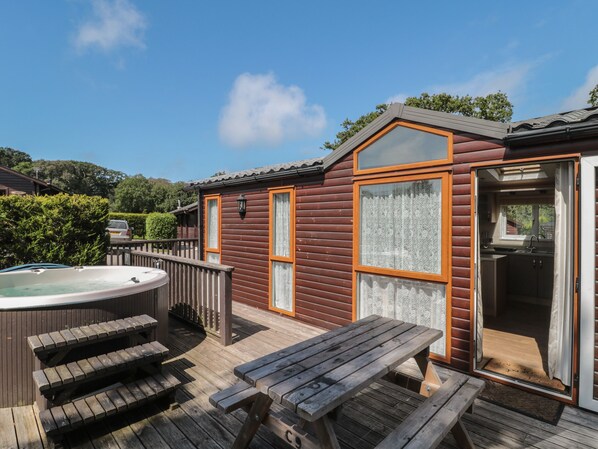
<point x="324" y="233"/>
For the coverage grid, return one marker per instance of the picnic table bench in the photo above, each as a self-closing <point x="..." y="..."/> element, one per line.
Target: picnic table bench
<point x="314" y="378"/>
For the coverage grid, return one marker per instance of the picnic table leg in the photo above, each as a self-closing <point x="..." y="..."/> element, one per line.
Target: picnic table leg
<point x="429" y="385"/>
<point x="325" y="433"/>
<point x="257" y="413"/>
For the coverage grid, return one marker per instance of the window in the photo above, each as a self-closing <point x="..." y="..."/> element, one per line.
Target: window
<point x="403" y="145"/>
<point x="212" y="233"/>
<point x="402" y="243"/>
<point x="520" y="221"/>
<point x="282" y="250"/>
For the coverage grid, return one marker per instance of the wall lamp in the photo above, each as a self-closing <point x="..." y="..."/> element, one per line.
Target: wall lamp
<point x="242" y="205"/>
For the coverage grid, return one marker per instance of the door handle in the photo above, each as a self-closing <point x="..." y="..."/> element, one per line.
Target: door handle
<point x="541" y="262"/>
<point x="533" y="263"/>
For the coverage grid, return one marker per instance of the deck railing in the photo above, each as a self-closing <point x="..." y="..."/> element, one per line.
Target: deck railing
<point x="199" y="292"/>
<point x="175" y="247"/>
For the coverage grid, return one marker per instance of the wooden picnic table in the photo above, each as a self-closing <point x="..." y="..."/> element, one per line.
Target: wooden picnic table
<point x="314" y="378"/>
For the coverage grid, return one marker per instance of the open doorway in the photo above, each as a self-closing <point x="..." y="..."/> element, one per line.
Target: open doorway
<point x="524" y="264"/>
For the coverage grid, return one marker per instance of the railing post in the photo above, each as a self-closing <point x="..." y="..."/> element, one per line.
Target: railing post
<point x="226" y="307"/>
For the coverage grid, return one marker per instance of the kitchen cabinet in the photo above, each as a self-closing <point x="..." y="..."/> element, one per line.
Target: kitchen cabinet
<point x="531" y="276"/>
<point x="494" y="276"/>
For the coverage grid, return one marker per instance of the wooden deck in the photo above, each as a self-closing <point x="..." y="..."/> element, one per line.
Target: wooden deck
<point x="205" y="367"/>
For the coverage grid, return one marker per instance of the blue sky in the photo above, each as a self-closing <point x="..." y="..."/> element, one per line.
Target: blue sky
<point x="182" y="89"/>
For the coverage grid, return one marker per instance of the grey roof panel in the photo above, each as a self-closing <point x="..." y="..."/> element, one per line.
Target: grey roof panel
<point x="553" y="120"/>
<point x="261" y="173"/>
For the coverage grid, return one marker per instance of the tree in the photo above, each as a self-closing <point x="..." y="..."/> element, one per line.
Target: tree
<point x="10" y="157"/>
<point x="138" y="194"/>
<point x="134" y="194"/>
<point x="74" y="177"/>
<point x="496" y="107"/>
<point x="594" y="96"/>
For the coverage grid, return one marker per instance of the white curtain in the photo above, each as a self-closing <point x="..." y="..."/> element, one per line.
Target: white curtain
<point x="401" y="226"/>
<point x="479" y="342"/>
<point x="213" y="258"/>
<point x="282" y="225"/>
<point x="418" y="302"/>
<point x="282" y="285"/>
<point x="212" y="224"/>
<point x="560" y="337"/>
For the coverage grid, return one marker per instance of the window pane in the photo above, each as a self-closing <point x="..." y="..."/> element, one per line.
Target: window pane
<point x="422" y="303"/>
<point x="523" y="220"/>
<point x="282" y="225"/>
<point x="403" y="145"/>
<point x="213" y="258"/>
<point x="213" y="224"/>
<point x="282" y="286"/>
<point x="401" y="226"/>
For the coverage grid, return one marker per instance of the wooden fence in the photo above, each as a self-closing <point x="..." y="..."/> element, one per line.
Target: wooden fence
<point x="199" y="292"/>
<point x="174" y="247"/>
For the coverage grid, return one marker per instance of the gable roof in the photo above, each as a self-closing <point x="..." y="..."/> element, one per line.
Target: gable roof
<point x="42" y="184"/>
<point x="398" y="111"/>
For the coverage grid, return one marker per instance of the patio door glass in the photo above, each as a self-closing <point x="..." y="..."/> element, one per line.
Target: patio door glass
<point x="588" y="351"/>
<point x="282" y="250"/>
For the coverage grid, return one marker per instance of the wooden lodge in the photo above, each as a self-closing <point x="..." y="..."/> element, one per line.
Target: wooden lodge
<point x="484" y="230"/>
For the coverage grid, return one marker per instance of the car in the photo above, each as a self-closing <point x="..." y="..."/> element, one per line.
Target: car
<point x="119" y="230"/>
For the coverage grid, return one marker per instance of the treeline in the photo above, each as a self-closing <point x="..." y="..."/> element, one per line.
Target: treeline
<point x="135" y="194"/>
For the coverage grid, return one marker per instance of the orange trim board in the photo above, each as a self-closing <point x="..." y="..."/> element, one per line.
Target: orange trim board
<point x="444" y="277"/>
<point x="275" y="258"/>
<point x="207" y="249"/>
<point x="411" y="165"/>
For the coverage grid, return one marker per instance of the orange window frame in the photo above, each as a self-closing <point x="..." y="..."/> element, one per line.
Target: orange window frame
<point x="274" y="258"/>
<point x="446" y="247"/>
<point x="409" y="165"/>
<point x="207" y="249"/>
<point x="441" y="277"/>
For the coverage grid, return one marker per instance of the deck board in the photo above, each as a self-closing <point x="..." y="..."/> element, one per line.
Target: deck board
<point x="205" y="367"/>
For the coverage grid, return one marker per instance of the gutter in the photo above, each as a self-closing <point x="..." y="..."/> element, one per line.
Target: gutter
<point x="556" y="134"/>
<point x="263" y="177"/>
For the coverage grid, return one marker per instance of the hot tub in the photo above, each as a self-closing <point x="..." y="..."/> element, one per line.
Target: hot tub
<point x="41" y="300"/>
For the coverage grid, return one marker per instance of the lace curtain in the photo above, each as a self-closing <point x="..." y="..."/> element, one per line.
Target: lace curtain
<point x="413" y="301"/>
<point x="282" y="225"/>
<point x="213" y="258"/>
<point x="212" y="224"/>
<point x="401" y="226"/>
<point x="282" y="285"/>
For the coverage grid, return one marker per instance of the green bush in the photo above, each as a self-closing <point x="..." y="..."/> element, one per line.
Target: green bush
<point x="67" y="229"/>
<point x="160" y="226"/>
<point x="136" y="221"/>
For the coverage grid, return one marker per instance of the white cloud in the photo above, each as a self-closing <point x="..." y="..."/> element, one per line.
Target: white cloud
<point x="510" y="80"/>
<point x="398" y="98"/>
<point x="114" y="24"/>
<point x="262" y="111"/>
<point x="579" y="98"/>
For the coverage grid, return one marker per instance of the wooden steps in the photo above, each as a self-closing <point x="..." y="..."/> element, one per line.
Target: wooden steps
<point x="69" y="416"/>
<point x="53" y="380"/>
<point x="64" y="399"/>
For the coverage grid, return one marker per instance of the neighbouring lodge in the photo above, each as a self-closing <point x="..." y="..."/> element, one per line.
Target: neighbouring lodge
<point x="484" y="230"/>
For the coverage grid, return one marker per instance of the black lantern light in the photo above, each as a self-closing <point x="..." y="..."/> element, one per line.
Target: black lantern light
<point x="242" y="205"/>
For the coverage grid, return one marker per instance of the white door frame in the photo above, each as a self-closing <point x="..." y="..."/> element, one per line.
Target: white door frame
<point x="588" y="166"/>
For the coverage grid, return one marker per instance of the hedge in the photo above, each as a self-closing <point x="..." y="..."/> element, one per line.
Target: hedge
<point x="136" y="221"/>
<point x="161" y="226"/>
<point x="66" y="229"/>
